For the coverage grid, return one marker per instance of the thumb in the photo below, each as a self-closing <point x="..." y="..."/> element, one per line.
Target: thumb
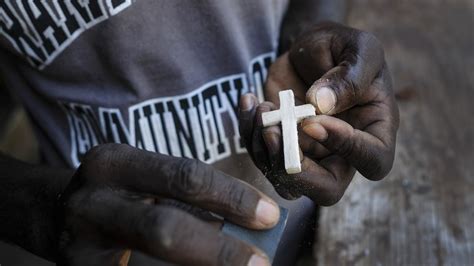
<point x="347" y="84"/>
<point x="338" y="90"/>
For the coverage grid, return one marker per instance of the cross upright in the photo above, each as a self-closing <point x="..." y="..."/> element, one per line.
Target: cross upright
<point x="289" y="115"/>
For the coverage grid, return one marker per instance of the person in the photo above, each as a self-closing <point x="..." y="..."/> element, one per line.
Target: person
<point x="149" y="112"/>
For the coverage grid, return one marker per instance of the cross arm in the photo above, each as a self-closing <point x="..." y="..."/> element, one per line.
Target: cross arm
<point x="271" y="118"/>
<point x="303" y="111"/>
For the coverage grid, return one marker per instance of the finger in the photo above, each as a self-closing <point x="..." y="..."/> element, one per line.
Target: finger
<point x="370" y="154"/>
<point x="187" y="180"/>
<point x="247" y="127"/>
<point x="271" y="136"/>
<point x="357" y="58"/>
<point x="273" y="142"/>
<point x="324" y="182"/>
<point x="310" y="147"/>
<point x="259" y="148"/>
<point x="167" y="233"/>
<point x="247" y="108"/>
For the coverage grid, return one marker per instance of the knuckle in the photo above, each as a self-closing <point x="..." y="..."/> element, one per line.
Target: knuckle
<point x="330" y="193"/>
<point x="191" y="178"/>
<point x="335" y="198"/>
<point x="344" y="147"/>
<point x="101" y="152"/>
<point x="165" y="224"/>
<point x="380" y="165"/>
<point x="94" y="155"/>
<point x="264" y="107"/>
<point x="349" y="88"/>
<point x="235" y="199"/>
<point x="372" y="44"/>
<point x="331" y="197"/>
<point x="370" y="39"/>
<point x="101" y="156"/>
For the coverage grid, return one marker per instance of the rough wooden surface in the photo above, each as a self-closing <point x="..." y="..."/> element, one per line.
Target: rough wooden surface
<point x="423" y="212"/>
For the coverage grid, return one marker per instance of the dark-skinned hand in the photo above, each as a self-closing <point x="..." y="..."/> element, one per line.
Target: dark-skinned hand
<point x="115" y="203"/>
<point x="342" y="72"/>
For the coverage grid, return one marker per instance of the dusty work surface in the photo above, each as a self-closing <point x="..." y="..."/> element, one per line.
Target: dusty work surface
<point x="423" y="212"/>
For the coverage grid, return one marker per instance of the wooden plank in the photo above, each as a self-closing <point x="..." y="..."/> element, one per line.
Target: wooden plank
<point x="422" y="213"/>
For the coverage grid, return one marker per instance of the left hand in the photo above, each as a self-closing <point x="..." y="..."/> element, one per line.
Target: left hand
<point x="350" y="86"/>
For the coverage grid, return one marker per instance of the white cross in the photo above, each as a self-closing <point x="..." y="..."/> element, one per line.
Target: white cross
<point x="289" y="116"/>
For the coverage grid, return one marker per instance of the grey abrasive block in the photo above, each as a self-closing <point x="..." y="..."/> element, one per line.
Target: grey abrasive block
<point x="266" y="240"/>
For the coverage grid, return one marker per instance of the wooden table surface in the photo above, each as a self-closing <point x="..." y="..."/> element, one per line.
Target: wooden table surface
<point x="423" y="212"/>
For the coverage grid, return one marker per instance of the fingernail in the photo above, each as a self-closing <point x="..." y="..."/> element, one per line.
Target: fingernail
<point x="267" y="213"/>
<point x="257" y="260"/>
<point x="325" y="99"/>
<point x="247" y="103"/>
<point x="316" y="131"/>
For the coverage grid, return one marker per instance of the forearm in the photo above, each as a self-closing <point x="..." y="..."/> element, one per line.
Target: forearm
<point x="28" y="196"/>
<point x="301" y="15"/>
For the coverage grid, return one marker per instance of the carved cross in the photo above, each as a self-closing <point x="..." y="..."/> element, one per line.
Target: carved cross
<point x="289" y="115"/>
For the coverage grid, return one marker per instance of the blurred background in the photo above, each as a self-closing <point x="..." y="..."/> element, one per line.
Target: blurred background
<point x="423" y="212"/>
